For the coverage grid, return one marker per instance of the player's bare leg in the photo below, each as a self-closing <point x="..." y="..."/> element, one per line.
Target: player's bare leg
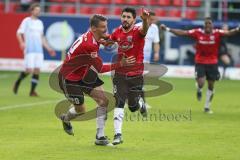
<point x="74" y="111"/>
<point x="98" y="95"/>
<point x="209" y="96"/>
<point x="199" y="85"/>
<point x="34" y="82"/>
<point x="21" y="77"/>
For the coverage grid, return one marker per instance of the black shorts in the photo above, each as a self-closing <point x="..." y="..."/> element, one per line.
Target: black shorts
<point x="73" y="90"/>
<point x="127" y="87"/>
<point x="209" y="70"/>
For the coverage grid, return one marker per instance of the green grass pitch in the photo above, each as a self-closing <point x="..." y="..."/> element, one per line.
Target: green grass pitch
<point x="30" y="131"/>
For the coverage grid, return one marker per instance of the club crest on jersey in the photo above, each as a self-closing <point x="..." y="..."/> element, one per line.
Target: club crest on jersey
<point x="94" y="54"/>
<point x="129" y="38"/>
<point x="212" y="38"/>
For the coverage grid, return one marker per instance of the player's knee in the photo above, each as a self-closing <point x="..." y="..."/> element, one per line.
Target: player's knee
<point x="103" y="101"/>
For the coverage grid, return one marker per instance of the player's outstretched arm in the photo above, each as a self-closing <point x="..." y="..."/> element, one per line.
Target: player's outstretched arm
<point x="98" y="65"/>
<point x="177" y="32"/>
<point x="47" y="47"/>
<point x="144" y="16"/>
<point x="232" y="31"/>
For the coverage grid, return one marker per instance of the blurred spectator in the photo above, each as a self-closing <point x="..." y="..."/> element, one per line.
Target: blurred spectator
<point x="25" y="4"/>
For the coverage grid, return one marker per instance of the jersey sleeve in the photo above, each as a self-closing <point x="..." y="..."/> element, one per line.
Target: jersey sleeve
<point x="22" y="27"/>
<point x="113" y="36"/>
<point x="220" y="32"/>
<point x="156" y="35"/>
<point x="42" y="31"/>
<point x="192" y="33"/>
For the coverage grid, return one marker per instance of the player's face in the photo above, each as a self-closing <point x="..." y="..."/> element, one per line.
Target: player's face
<point x="36" y="11"/>
<point x="208" y="26"/>
<point x="101" y="29"/>
<point x="127" y="20"/>
<point x="152" y="19"/>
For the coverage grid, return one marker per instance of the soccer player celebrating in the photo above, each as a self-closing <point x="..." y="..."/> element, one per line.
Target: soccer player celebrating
<point x="31" y="41"/>
<point x="78" y="75"/>
<point x="128" y="80"/>
<point x="206" y="58"/>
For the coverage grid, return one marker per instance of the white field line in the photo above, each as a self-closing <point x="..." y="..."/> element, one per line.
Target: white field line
<point x="27" y="105"/>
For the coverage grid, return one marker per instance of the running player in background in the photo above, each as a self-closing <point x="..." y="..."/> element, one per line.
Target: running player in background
<point x="31" y="39"/>
<point x="128" y="81"/>
<point x="79" y="75"/>
<point x="206" y="57"/>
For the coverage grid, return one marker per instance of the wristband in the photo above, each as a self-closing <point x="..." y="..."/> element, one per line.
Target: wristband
<point x="167" y="29"/>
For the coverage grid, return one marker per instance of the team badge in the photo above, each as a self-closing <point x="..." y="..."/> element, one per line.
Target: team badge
<point x="212" y="38"/>
<point x="129" y="38"/>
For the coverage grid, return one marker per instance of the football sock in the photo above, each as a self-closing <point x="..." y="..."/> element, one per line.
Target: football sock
<point x="209" y="96"/>
<point x="101" y="118"/>
<point x="71" y="114"/>
<point x="118" y="120"/>
<point x="21" y="77"/>
<point x="35" y="78"/>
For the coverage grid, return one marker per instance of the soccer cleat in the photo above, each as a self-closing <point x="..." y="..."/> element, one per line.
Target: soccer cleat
<point x="102" y="141"/>
<point x="66" y="125"/>
<point x="117" y="139"/>
<point x="15" y="88"/>
<point x="208" y="111"/>
<point x="199" y="95"/>
<point x="143" y="108"/>
<point x="33" y="94"/>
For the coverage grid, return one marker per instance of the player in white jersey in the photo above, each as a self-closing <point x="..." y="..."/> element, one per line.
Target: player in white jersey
<point x="31" y="40"/>
<point x="151" y="40"/>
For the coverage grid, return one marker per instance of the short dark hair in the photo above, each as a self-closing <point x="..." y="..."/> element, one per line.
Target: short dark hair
<point x="33" y="6"/>
<point x="96" y="18"/>
<point x="130" y="10"/>
<point x="208" y="18"/>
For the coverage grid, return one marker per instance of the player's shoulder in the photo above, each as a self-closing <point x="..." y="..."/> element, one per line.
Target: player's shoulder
<point x="218" y="30"/>
<point x="26" y="19"/>
<point x="196" y="30"/>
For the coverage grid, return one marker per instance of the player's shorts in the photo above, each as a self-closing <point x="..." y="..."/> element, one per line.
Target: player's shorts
<point x="127" y="88"/>
<point x="33" y="60"/>
<point x="209" y="70"/>
<point x="74" y="90"/>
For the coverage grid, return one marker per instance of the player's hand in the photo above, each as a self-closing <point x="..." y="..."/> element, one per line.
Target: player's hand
<point x="128" y="61"/>
<point x="52" y="53"/>
<point x="163" y="27"/>
<point x="144" y="14"/>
